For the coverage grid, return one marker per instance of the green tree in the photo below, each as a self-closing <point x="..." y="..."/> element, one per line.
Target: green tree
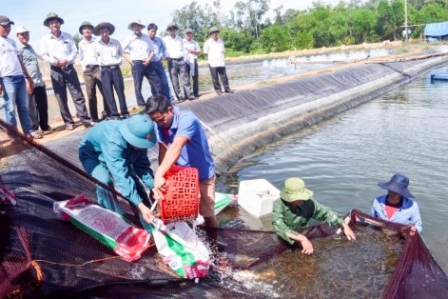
<point x="249" y="14"/>
<point x="363" y="24"/>
<point x="274" y="39"/>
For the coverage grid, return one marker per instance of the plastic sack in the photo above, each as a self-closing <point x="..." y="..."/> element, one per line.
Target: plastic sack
<point x="106" y="226"/>
<point x="181" y="249"/>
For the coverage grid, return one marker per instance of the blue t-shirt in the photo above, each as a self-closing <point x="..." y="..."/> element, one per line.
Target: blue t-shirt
<point x="196" y="153"/>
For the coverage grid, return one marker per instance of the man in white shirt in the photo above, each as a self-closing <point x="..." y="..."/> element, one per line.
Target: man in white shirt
<point x="191" y="50"/>
<point x="15" y="81"/>
<point x="58" y="49"/>
<point x="109" y="58"/>
<point x="176" y="63"/>
<point x="214" y="49"/>
<point x="141" y="51"/>
<point x="91" y="70"/>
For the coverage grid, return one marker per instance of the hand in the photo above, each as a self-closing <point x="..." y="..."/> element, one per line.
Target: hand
<point x="146" y="61"/>
<point x="1" y="90"/>
<point x="146" y="212"/>
<point x="348" y="232"/>
<point x="29" y="85"/>
<point x="159" y="187"/>
<point x="63" y="62"/>
<point x="306" y="245"/>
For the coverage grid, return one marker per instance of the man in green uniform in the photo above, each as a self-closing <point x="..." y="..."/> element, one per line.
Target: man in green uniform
<point x="295" y="208"/>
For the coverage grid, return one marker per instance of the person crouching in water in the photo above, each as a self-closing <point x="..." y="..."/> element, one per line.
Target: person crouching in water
<point x="295" y="208"/>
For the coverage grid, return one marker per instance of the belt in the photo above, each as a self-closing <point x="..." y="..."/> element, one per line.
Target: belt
<point x="91" y="66"/>
<point x="178" y="59"/>
<point x="111" y="67"/>
<point x="61" y="67"/>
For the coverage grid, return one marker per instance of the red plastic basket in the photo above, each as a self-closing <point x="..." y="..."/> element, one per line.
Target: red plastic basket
<point x="181" y="199"/>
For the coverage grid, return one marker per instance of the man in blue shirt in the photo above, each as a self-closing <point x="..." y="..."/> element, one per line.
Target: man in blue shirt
<point x="116" y="152"/>
<point x="182" y="141"/>
<point x="397" y="205"/>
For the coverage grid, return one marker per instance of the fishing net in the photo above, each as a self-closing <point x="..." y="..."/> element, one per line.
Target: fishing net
<point x="44" y="256"/>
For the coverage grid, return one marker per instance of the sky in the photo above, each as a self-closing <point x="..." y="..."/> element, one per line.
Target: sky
<point x="32" y="13"/>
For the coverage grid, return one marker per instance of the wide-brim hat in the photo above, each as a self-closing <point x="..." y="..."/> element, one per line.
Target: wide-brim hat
<point x="295" y="190"/>
<point x="399" y="184"/>
<point x="138" y="131"/>
<point x="213" y="29"/>
<point x="51" y="16"/>
<point x="107" y="25"/>
<point x="85" y="24"/>
<point x="188" y="30"/>
<point x="171" y="25"/>
<point x="4" y="20"/>
<point x="138" y="22"/>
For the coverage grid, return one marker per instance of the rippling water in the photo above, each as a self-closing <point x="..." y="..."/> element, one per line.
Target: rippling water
<point x="343" y="158"/>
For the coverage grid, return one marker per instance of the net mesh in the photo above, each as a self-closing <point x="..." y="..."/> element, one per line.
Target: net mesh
<point x="182" y="194"/>
<point x="44" y="256"/>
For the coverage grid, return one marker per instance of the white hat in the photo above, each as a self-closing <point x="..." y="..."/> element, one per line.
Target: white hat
<point x="21" y="29"/>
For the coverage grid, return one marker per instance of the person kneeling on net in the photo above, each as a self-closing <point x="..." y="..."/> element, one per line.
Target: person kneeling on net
<point x="116" y="152"/>
<point x="397" y="205"/>
<point x="294" y="209"/>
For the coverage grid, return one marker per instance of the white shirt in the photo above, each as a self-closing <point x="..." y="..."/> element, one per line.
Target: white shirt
<point x="191" y="45"/>
<point x="88" y="52"/>
<point x="138" y="47"/>
<point x="109" y="54"/>
<point x="215" y="51"/>
<point x="9" y="60"/>
<point x="53" y="48"/>
<point x="174" y="46"/>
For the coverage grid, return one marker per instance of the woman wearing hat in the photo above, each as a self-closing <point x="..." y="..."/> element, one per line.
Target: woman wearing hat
<point x="397" y="205"/>
<point x="294" y="209"/>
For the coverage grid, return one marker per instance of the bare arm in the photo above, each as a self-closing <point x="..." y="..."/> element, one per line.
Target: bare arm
<point x="167" y="159"/>
<point x="307" y="247"/>
<point x="128" y="58"/>
<point x="28" y="79"/>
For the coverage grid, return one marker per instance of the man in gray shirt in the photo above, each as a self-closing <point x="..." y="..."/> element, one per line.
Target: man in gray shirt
<point x="37" y="101"/>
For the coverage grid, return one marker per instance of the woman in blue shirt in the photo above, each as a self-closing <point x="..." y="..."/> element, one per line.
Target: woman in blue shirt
<point x="397" y="205"/>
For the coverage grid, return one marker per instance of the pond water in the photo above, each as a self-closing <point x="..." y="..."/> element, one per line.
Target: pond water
<point x="343" y="158"/>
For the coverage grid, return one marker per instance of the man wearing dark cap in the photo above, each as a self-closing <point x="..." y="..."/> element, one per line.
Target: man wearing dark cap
<point x="397" y="205"/>
<point x="192" y="50"/>
<point x="15" y="81"/>
<point x="214" y="49"/>
<point x="109" y="58"/>
<point x="58" y="49"/>
<point x="176" y="63"/>
<point x="91" y="70"/>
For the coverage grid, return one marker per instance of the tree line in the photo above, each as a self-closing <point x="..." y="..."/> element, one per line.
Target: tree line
<point x="246" y="29"/>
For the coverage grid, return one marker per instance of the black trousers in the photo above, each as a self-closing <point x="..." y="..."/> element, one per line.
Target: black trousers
<point x="111" y="78"/>
<point x="140" y="71"/>
<point x="92" y="79"/>
<point x="195" y="77"/>
<point x="38" y="107"/>
<point x="61" y="79"/>
<point x="221" y="71"/>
